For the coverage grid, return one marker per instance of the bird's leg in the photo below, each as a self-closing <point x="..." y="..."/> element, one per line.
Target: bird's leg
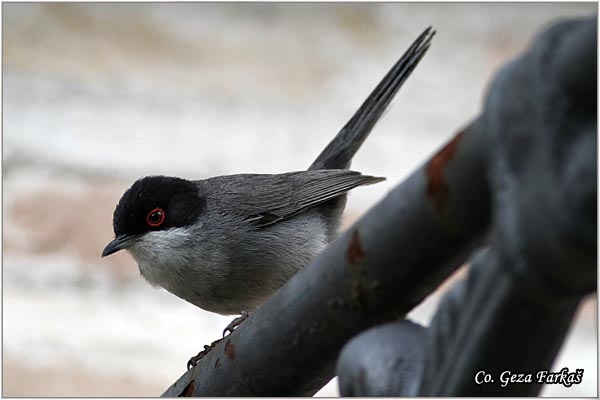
<point x="235" y="323"/>
<point x="194" y="360"/>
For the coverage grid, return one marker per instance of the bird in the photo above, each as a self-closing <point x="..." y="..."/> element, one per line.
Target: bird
<point x="226" y="243"/>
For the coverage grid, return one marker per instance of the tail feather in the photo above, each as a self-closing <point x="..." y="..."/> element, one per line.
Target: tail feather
<point x="339" y="152"/>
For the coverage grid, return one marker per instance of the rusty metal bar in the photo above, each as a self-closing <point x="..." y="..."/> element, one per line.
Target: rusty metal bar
<point x="496" y="332"/>
<point x="521" y="295"/>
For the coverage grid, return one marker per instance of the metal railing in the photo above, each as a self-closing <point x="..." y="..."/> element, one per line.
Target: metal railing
<point x="518" y="186"/>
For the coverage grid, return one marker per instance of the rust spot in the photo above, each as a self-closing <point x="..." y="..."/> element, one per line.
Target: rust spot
<point x="355" y="251"/>
<point x="437" y="188"/>
<point x="229" y="350"/>
<point x="189" y="389"/>
<point x="218" y="363"/>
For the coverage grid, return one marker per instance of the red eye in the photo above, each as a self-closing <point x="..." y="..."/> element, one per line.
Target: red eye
<point x="155" y="217"/>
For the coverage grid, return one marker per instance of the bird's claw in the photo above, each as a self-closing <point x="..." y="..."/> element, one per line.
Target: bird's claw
<point x="235" y="323"/>
<point x="194" y="360"/>
<point x="229" y="328"/>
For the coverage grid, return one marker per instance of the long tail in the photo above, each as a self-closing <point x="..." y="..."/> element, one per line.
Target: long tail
<point x="339" y="152"/>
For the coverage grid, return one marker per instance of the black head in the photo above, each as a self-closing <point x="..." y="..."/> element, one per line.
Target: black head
<point x="154" y="203"/>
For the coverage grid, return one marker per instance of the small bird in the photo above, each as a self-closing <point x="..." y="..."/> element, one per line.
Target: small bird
<point x="226" y="243"/>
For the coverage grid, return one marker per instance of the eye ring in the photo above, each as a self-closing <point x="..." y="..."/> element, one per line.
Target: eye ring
<point x="156" y="217"/>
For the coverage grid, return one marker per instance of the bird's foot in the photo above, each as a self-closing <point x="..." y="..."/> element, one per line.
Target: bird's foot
<point x="194" y="360"/>
<point x="235" y="323"/>
<point x="229" y="328"/>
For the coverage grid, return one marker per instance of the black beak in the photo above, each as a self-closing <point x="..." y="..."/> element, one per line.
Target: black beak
<point x="120" y="243"/>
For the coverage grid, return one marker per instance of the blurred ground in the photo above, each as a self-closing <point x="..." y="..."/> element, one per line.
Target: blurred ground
<point x="97" y="95"/>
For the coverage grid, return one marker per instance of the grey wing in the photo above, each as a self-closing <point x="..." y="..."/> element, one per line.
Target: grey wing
<point x="266" y="199"/>
<point x="310" y="188"/>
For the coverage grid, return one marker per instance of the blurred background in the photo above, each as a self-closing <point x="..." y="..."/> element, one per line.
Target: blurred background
<point x="97" y="95"/>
